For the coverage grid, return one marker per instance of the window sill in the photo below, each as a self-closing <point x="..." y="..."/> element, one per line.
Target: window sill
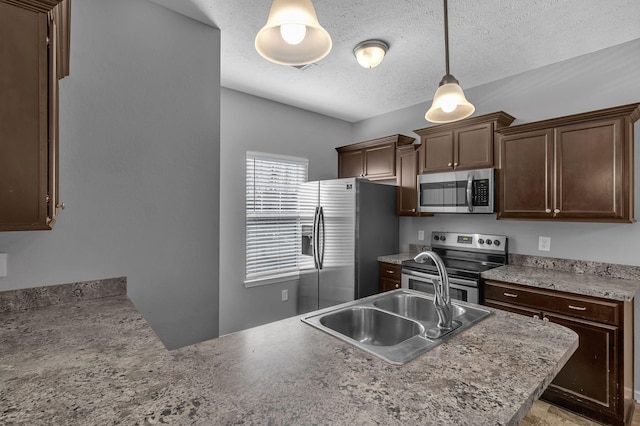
<point x="272" y="279"/>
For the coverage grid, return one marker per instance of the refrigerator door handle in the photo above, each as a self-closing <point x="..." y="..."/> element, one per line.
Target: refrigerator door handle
<point x="321" y="252"/>
<point x="314" y="236"/>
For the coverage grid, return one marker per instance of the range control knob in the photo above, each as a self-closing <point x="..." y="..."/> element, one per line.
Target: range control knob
<point x="488" y="242"/>
<point x="443" y="238"/>
<point x="496" y="242"/>
<point x="480" y="241"/>
<point x="436" y="237"/>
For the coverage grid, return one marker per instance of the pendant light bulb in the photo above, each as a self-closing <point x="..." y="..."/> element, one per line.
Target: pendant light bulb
<point x="292" y="34"/>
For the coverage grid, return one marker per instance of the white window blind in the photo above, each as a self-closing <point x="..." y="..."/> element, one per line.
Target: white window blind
<point x="273" y="232"/>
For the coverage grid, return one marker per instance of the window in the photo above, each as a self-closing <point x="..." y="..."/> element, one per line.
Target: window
<point x="273" y="232"/>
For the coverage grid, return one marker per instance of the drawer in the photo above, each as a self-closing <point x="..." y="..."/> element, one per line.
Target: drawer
<point x="553" y="301"/>
<point x="390" y="271"/>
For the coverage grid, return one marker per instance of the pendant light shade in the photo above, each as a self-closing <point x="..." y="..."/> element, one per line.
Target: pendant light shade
<point x="292" y="34"/>
<point x="449" y="102"/>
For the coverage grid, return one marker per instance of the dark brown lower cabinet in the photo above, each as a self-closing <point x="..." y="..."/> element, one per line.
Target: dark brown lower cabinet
<point x="597" y="381"/>
<point x="390" y="275"/>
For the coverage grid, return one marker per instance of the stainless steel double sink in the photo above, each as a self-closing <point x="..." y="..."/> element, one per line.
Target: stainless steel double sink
<point x="393" y="326"/>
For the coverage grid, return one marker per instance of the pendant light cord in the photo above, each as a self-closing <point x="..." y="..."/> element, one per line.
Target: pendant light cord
<point x="446" y="36"/>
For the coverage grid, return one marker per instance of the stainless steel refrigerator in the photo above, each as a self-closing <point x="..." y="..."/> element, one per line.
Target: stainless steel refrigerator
<point x="346" y="225"/>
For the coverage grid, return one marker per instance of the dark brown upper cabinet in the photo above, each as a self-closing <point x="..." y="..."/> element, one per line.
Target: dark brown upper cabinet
<point x="463" y="145"/>
<point x="406" y="180"/>
<point x="374" y="159"/>
<point x="35" y="54"/>
<point x="574" y="168"/>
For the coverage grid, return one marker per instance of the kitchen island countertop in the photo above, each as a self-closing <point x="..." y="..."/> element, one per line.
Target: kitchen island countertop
<point x="98" y="362"/>
<point x="576" y="283"/>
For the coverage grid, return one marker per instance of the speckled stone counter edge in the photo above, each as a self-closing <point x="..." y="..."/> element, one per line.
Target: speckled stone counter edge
<point x="397" y="258"/>
<point x="609" y="270"/>
<point x="39" y="297"/>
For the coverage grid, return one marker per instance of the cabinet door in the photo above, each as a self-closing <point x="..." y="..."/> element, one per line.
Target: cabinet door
<point x="473" y="147"/>
<point x="351" y="164"/>
<point x="590" y="378"/>
<point x="589" y="171"/>
<point x="525" y="181"/>
<point x="436" y="153"/>
<point x="407" y="172"/>
<point x="24" y="84"/>
<point x="380" y="162"/>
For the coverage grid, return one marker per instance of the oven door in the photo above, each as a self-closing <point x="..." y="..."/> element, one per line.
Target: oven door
<point x="469" y="191"/>
<point x="464" y="290"/>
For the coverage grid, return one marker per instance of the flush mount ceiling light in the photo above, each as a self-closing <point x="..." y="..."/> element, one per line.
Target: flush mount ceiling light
<point x="370" y="53"/>
<point x="449" y="103"/>
<point x="292" y="34"/>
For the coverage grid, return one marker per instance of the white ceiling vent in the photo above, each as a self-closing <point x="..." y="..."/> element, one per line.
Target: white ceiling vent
<point x="304" y="67"/>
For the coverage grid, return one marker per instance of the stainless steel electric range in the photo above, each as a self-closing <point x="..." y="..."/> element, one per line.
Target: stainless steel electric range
<point x="465" y="256"/>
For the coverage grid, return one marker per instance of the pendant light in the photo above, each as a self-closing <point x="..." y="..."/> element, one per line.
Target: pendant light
<point x="449" y="103"/>
<point x="292" y="34"/>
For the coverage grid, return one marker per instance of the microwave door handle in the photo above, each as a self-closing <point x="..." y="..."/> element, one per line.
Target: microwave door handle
<point x="470" y="192"/>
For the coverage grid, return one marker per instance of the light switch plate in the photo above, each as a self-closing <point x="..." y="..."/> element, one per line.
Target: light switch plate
<point x="544" y="243"/>
<point x="420" y="235"/>
<point x="285" y="295"/>
<point x="3" y="264"/>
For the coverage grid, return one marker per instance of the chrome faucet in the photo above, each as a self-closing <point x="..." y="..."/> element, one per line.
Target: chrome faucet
<point x="442" y="300"/>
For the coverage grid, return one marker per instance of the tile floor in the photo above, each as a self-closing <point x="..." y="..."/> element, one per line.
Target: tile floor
<point x="544" y="414"/>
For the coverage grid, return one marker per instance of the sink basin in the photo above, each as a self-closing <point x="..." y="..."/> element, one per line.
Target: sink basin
<point x="414" y="307"/>
<point x="396" y="326"/>
<point x="371" y="326"/>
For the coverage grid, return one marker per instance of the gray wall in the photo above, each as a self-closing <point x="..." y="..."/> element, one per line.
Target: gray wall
<point x="139" y="167"/>
<point x="598" y="80"/>
<point x="250" y="123"/>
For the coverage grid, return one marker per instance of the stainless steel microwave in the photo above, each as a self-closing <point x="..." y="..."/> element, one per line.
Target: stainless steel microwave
<point x="469" y="191"/>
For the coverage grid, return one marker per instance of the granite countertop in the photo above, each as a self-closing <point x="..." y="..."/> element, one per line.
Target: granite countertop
<point x="582" y="284"/>
<point x="98" y="362"/>
<point x="396" y="258"/>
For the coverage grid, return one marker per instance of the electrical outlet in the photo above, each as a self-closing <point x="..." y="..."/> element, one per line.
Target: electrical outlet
<point x="544" y="243"/>
<point x="3" y="264"/>
<point x="420" y="235"/>
<point x="285" y="295"/>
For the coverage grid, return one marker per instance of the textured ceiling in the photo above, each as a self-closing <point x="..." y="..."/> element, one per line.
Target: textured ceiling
<point x="489" y="40"/>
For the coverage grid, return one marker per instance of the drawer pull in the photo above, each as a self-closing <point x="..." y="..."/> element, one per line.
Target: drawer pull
<point x="536" y="317"/>
<point x="397" y="285"/>
<point x="389" y="271"/>
<point x="510" y="294"/>
<point x="545" y="319"/>
<point x="577" y="308"/>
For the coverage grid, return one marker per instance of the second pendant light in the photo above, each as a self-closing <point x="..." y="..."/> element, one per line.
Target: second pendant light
<point x="449" y="102"/>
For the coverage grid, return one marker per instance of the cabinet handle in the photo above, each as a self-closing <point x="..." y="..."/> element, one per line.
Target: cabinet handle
<point x="547" y="211"/>
<point x="510" y="295"/>
<point x="60" y="206"/>
<point x="536" y="317"/>
<point x="397" y="285"/>
<point x="556" y="211"/>
<point x="389" y="271"/>
<point x="455" y="164"/>
<point x="449" y="164"/>
<point x="545" y="319"/>
<point x="412" y="210"/>
<point x="577" y="308"/>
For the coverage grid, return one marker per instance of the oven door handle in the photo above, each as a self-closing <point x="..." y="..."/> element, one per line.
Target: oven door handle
<point x="466" y="283"/>
<point x="470" y="192"/>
